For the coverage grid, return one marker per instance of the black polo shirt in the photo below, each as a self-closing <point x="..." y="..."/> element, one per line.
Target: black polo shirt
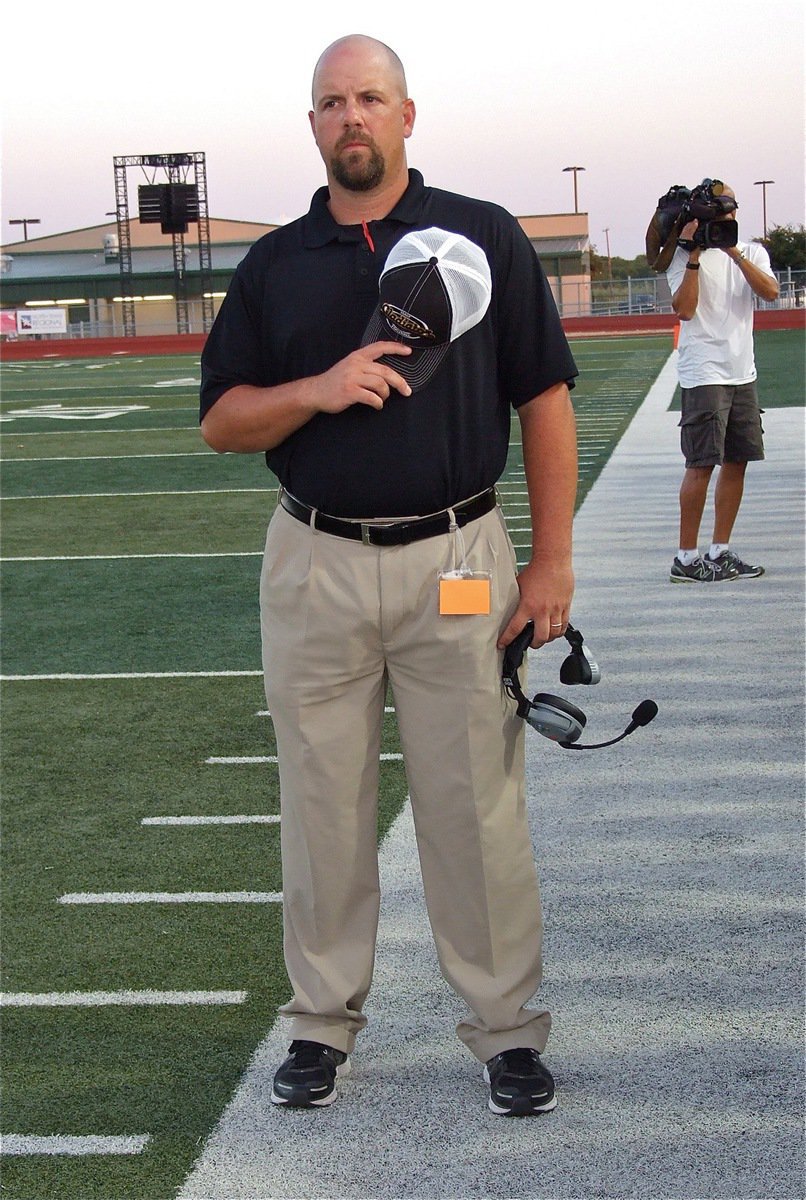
<point x="301" y="300"/>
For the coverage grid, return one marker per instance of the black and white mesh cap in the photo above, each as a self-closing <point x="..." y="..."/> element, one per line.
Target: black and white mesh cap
<point x="434" y="286"/>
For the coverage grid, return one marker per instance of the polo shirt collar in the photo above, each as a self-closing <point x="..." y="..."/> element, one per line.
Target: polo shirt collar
<point x="320" y="228"/>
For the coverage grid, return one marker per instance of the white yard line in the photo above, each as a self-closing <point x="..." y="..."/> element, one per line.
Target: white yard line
<point x="252" y="760"/>
<point x="123" y="998"/>
<point x="71" y="678"/>
<point x="126" y="557"/>
<point x="133" y="495"/>
<point x="257" y="819"/>
<point x="27" y="1144"/>
<point x="171" y="898"/>
<point x="105" y="458"/>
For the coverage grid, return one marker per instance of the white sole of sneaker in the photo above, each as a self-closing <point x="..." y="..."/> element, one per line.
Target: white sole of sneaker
<point x="286" y="1102"/>
<point x="342" y="1070"/>
<point x="549" y="1106"/>
<point x="688" y="579"/>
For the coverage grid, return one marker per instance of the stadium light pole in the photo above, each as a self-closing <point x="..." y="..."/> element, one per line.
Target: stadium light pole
<point x="606" y="232"/>
<point x="763" y="184"/>
<point x="25" y="222"/>
<point x="576" y="170"/>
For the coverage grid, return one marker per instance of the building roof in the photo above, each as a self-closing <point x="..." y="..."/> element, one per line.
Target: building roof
<point x="92" y="237"/>
<point x="93" y="264"/>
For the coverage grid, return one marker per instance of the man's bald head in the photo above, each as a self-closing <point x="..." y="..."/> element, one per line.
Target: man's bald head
<point x="360" y="42"/>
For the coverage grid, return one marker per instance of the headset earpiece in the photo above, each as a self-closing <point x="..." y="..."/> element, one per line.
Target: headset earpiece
<point x="555" y="718"/>
<point x="579" y="666"/>
<point x="575" y="669"/>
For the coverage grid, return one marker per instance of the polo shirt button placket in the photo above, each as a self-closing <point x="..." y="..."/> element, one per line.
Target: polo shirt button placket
<point x="366" y="282"/>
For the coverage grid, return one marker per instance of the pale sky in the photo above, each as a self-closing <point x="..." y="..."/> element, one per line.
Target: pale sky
<point x="643" y="96"/>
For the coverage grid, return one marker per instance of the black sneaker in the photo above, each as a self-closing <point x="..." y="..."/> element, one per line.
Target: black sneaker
<point x="701" y="570"/>
<point x="307" y="1078"/>
<point x="519" y="1084"/>
<point x="727" y="560"/>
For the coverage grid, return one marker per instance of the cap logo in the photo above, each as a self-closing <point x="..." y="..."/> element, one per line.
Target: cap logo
<point x="405" y="324"/>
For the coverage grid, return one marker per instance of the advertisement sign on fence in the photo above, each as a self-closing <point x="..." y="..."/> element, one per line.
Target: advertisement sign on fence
<point x="42" y="320"/>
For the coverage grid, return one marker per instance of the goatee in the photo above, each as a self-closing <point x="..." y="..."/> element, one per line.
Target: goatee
<point x="359" y="172"/>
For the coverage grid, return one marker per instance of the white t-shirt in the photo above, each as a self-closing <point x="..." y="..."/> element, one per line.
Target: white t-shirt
<point x="716" y="345"/>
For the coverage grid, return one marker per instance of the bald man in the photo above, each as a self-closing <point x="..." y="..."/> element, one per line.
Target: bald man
<point x="374" y="351"/>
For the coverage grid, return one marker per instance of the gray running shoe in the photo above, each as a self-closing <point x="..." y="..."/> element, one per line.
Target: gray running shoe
<point x="728" y="559"/>
<point x="702" y="570"/>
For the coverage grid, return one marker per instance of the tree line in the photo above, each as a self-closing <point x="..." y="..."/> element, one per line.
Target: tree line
<point x="785" y="244"/>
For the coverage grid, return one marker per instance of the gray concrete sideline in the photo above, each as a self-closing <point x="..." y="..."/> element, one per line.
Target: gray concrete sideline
<point x="672" y="874"/>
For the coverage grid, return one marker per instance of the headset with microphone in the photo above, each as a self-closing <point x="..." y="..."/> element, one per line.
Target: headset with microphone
<point x="552" y="716"/>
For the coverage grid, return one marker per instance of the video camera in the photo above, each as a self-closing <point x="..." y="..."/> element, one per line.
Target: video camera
<point x="705" y="203"/>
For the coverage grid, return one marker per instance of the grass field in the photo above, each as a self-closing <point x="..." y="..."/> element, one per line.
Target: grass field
<point x="142" y="952"/>
<point x="780" y="364"/>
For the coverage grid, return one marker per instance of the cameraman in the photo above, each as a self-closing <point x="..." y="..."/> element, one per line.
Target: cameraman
<point x="712" y="293"/>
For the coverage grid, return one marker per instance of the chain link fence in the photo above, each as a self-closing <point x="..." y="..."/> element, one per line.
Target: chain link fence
<point x="637" y="295"/>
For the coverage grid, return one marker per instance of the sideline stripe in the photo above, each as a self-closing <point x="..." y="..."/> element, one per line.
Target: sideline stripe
<point x="21" y="1143"/>
<point x="129" y="675"/>
<point x="171" y="898"/>
<point x="112" y="457"/>
<point x="99" y="999"/>
<point x="258" y="819"/>
<point x="264" y="712"/>
<point x="116" y="557"/>
<point x="129" y="495"/>
<point x="157" y="430"/>
<point x="272" y="758"/>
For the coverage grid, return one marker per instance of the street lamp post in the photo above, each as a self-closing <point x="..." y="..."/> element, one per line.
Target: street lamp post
<point x="606" y="232"/>
<point x="25" y="222"/>
<point x="575" y="170"/>
<point x="763" y="184"/>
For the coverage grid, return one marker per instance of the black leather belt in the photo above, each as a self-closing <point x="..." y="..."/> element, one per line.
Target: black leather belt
<point x="394" y="533"/>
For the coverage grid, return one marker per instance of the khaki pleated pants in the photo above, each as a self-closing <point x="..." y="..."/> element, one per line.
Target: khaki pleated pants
<point x="340" y="620"/>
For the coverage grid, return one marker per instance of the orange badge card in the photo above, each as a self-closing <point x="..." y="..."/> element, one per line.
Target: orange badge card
<point x="467" y="596"/>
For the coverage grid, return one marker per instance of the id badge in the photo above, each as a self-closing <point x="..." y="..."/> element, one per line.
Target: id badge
<point x="464" y="593"/>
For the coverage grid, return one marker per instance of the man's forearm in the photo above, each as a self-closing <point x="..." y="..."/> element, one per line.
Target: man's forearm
<point x="546" y="583"/>
<point x="764" y="285"/>
<point x="687" y="296"/>
<point x="249" y="420"/>
<point x="548" y="430"/>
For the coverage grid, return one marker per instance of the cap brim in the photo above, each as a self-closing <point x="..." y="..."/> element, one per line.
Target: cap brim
<point x="416" y="368"/>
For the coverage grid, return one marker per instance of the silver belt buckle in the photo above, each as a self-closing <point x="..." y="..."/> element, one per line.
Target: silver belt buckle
<point x="367" y="529"/>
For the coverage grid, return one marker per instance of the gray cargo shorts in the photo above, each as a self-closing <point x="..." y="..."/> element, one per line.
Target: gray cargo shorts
<point x="721" y="423"/>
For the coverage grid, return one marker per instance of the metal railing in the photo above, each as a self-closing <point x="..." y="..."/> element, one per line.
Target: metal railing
<point x="638" y="295"/>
